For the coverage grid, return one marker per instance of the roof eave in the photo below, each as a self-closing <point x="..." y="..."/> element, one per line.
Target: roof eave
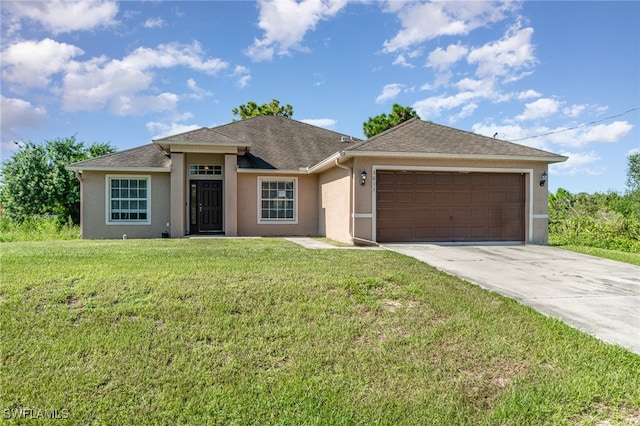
<point x="396" y="154"/>
<point x="301" y="171"/>
<point x="118" y="169"/>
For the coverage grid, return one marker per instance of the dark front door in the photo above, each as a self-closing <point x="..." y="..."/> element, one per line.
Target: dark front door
<point x="206" y="206"/>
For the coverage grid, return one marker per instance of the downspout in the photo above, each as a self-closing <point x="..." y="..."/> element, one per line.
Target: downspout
<point x="352" y="222"/>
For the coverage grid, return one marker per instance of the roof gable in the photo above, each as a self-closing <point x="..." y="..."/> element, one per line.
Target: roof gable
<point x="424" y="137"/>
<point x="148" y="156"/>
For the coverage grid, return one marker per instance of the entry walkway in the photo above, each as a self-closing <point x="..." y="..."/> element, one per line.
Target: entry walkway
<point x="598" y="296"/>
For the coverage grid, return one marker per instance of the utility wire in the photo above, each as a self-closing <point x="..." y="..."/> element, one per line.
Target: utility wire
<point x="576" y="127"/>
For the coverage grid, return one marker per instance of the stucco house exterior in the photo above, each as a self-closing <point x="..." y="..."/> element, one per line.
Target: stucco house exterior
<point x="275" y="176"/>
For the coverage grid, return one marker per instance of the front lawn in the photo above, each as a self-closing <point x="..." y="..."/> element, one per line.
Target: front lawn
<point x="263" y="331"/>
<point x="620" y="256"/>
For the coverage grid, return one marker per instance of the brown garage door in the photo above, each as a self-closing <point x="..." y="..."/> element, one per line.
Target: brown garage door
<point x="430" y="206"/>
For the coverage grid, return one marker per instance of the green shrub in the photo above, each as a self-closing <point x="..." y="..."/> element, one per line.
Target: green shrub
<point x="607" y="221"/>
<point x="37" y="229"/>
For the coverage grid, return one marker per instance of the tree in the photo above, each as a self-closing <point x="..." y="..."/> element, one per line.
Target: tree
<point x="251" y="109"/>
<point x="382" y="122"/>
<point x="35" y="181"/>
<point x="633" y="172"/>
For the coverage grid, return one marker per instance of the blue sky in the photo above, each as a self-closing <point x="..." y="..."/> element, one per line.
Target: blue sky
<point x="128" y="72"/>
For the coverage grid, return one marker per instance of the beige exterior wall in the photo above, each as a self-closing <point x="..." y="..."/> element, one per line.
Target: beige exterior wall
<point x="307" y="207"/>
<point x="536" y="213"/>
<point x="178" y="196"/>
<point x="335" y="204"/>
<point x="230" y="195"/>
<point x="94" y="213"/>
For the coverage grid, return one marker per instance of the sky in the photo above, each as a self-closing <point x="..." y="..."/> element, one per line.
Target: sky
<point x="559" y="76"/>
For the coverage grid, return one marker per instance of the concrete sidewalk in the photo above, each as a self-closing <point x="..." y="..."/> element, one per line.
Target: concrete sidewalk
<point x="312" y="243"/>
<point x="598" y="296"/>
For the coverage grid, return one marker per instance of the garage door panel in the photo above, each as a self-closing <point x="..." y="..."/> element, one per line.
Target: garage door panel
<point x="424" y="197"/>
<point x="478" y="216"/>
<point x="479" y="198"/>
<point x="442" y="197"/>
<point x="440" y="232"/>
<point x="513" y="196"/>
<point x="423" y="232"/>
<point x="478" y="232"/>
<point x="405" y="179"/>
<point x="460" y="233"/>
<point x="495" y="197"/>
<point x="385" y="197"/>
<point x="460" y="197"/>
<point x="424" y="215"/>
<point x="442" y="179"/>
<point x="441" y="215"/>
<point x="385" y="215"/>
<point x="424" y="179"/>
<point x="434" y="206"/>
<point x="404" y="197"/>
<point x="404" y="215"/>
<point x="460" y="216"/>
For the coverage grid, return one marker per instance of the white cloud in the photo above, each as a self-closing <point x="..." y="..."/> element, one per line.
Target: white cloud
<point x="197" y="92"/>
<point x="632" y="151"/>
<point x="243" y="75"/>
<point x="433" y="106"/>
<point x="602" y="133"/>
<point x="17" y="114"/>
<point x="546" y="138"/>
<point x="540" y="108"/>
<point x="513" y="132"/>
<point x="574" y="111"/>
<point x="578" y="162"/>
<point x="512" y="53"/>
<point x="465" y="112"/>
<point x="93" y="84"/>
<point x="285" y="23"/>
<point x="140" y="105"/>
<point x="443" y="18"/>
<point x="62" y="16"/>
<point x="161" y="130"/>
<point x="32" y="63"/>
<point x="154" y="23"/>
<point x="401" y="61"/>
<point x="443" y="59"/>
<point x="528" y="94"/>
<point x="326" y="123"/>
<point x="389" y="92"/>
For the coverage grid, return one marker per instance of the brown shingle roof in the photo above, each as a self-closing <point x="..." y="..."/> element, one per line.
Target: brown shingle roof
<point x="286" y="144"/>
<point x="417" y="136"/>
<point x="146" y="156"/>
<point x="205" y="135"/>
<point x="283" y="143"/>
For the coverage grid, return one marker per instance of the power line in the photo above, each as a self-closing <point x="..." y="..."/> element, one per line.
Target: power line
<point x="591" y="123"/>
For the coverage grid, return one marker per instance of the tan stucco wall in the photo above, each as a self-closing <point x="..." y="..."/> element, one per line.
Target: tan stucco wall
<point x="307" y="223"/>
<point x="536" y="214"/>
<point x="334" y="213"/>
<point x="94" y="214"/>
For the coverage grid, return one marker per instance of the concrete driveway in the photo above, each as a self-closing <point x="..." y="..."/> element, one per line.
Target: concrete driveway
<point x="598" y="296"/>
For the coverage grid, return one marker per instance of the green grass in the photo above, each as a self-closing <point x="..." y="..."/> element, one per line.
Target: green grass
<point x="265" y="332"/>
<point x="620" y="256"/>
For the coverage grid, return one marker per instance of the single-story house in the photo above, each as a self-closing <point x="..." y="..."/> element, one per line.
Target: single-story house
<point x="275" y="176"/>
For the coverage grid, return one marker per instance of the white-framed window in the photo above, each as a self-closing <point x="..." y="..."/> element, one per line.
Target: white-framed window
<point x="277" y="200"/>
<point x="205" y="169"/>
<point x="128" y="200"/>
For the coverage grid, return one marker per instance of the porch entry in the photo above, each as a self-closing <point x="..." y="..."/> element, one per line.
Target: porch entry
<point x="205" y="206"/>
